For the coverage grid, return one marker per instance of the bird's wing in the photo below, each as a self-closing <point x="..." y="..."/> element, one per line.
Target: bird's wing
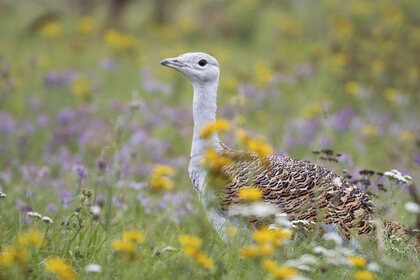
<point x="301" y="189"/>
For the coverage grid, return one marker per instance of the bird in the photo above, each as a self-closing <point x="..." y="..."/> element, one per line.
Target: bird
<point x="298" y="188"/>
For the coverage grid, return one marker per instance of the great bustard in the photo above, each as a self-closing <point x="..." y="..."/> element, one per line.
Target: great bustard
<point x="302" y="190"/>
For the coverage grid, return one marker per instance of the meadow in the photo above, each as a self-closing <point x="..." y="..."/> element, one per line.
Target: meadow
<point x="95" y="134"/>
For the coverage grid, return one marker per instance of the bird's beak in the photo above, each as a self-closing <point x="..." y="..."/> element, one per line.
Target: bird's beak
<point x="172" y="62"/>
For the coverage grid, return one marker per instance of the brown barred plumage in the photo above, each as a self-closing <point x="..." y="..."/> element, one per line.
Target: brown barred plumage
<point x="301" y="189"/>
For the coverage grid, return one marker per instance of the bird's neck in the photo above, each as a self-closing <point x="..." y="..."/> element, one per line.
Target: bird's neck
<point x="204" y="113"/>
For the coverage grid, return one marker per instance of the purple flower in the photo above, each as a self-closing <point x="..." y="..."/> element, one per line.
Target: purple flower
<point x="304" y="70"/>
<point x="81" y="172"/>
<point x="341" y="120"/>
<point x="417" y="158"/>
<point x="150" y="84"/>
<point x="51" y="207"/>
<point x="59" y="78"/>
<point x="108" y="64"/>
<point x="65" y="197"/>
<point x="7" y="124"/>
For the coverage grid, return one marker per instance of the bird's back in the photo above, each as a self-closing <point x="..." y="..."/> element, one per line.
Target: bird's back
<point x="301" y="189"/>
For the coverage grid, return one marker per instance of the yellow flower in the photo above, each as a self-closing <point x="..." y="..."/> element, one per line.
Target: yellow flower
<point x="279" y="272"/>
<point x="258" y="146"/>
<point x="250" y="194"/>
<point x="391" y="94"/>
<point x="249" y="251"/>
<point x="215" y="161"/>
<point x="121" y="41"/>
<point x="263" y="74"/>
<point x="161" y="177"/>
<point x="123" y="246"/>
<point x="353" y="88"/>
<point x="340" y="58"/>
<point x="30" y="238"/>
<point x="51" y="29"/>
<point x="86" y="25"/>
<point x="274" y="236"/>
<point x="82" y="87"/>
<point x="163" y="170"/>
<point x="191" y="247"/>
<point x="13" y="255"/>
<point x="190" y="241"/>
<point x="363" y="275"/>
<point x="369" y="130"/>
<point x="218" y="126"/>
<point x="263" y="235"/>
<point x="266" y="249"/>
<point x="161" y="183"/>
<point x="203" y="260"/>
<point x="232" y="231"/>
<point x="343" y="27"/>
<point x="134" y="236"/>
<point x="59" y="267"/>
<point x="357" y="261"/>
<point x="378" y="65"/>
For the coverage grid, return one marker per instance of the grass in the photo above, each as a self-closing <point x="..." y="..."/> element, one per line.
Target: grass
<point x="87" y="113"/>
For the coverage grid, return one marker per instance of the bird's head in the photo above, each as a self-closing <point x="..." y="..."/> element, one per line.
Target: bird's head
<point x="197" y="67"/>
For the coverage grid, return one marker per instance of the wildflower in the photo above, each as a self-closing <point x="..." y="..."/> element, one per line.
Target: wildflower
<point x="257" y="209"/>
<point x="353" y="88"/>
<point x="191" y="247"/>
<point x="13" y="255"/>
<point x="249" y="251"/>
<point x="357" y="261"/>
<point x="279" y="272"/>
<point x="121" y="41"/>
<point x="203" y="260"/>
<point x="190" y="241"/>
<point x="161" y="177"/>
<point x="134" y="236"/>
<point x="369" y="130"/>
<point x="163" y="170"/>
<point x="412" y="207"/>
<point x="258" y="146"/>
<point x="34" y="214"/>
<point x="250" y="194"/>
<point x="51" y="29"/>
<point x="93" y="267"/>
<point x="263" y="75"/>
<point x="30" y="238"/>
<point x="363" y="275"/>
<point x="378" y="65"/>
<point x="274" y="236"/>
<point x="215" y="127"/>
<point x="47" y="220"/>
<point x="232" y="231"/>
<point x="125" y="247"/>
<point x="214" y="160"/>
<point x="391" y="94"/>
<point x="59" y="267"/>
<point x="397" y="176"/>
<point x="340" y="58"/>
<point x="82" y="88"/>
<point x="86" y="25"/>
<point x="95" y="210"/>
<point x="2" y="195"/>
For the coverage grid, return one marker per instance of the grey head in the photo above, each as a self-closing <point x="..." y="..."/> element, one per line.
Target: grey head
<point x="197" y="67"/>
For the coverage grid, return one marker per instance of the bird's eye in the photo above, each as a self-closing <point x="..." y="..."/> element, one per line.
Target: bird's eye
<point x="202" y="62"/>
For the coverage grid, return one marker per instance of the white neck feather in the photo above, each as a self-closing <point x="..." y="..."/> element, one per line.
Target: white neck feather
<point x="204" y="112"/>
